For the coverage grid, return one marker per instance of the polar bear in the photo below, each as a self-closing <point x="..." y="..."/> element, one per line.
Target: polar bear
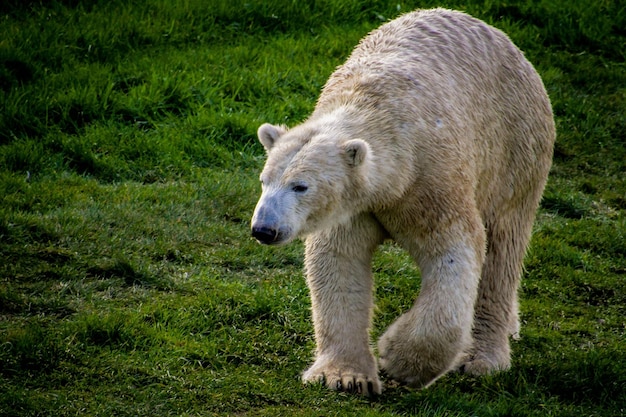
<point x="436" y="133"/>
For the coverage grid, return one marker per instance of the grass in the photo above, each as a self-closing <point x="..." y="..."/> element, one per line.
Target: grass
<point x="128" y="173"/>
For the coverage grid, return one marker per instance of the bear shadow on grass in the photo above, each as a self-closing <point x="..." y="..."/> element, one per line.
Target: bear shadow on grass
<point x="586" y="378"/>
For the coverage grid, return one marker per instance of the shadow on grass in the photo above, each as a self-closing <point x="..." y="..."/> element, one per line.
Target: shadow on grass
<point x="593" y="377"/>
<point x="584" y="382"/>
<point x="129" y="273"/>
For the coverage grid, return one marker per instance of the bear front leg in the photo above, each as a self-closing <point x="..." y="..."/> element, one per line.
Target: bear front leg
<point x="431" y="338"/>
<point x="340" y="281"/>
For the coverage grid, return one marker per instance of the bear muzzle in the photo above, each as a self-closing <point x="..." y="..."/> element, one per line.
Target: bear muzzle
<point x="266" y="235"/>
<point x="268" y="225"/>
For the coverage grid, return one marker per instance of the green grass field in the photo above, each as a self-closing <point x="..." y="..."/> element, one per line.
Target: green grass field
<point x="129" y="285"/>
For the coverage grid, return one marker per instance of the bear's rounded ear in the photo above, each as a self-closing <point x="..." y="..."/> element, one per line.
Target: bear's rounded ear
<point x="355" y="151"/>
<point x="268" y="135"/>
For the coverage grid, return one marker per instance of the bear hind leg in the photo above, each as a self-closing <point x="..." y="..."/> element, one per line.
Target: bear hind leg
<point x="496" y="315"/>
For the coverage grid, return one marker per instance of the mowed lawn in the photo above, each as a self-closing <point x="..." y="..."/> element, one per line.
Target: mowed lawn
<point x="129" y="284"/>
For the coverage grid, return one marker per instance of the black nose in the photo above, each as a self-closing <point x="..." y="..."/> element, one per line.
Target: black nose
<point x="264" y="234"/>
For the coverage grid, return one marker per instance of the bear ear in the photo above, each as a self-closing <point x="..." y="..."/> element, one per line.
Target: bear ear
<point x="268" y="135"/>
<point x="355" y="151"/>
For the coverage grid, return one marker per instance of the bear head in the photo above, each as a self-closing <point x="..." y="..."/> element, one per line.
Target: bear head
<point x="312" y="179"/>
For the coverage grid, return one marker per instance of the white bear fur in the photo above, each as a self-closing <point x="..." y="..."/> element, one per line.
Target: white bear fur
<point x="438" y="134"/>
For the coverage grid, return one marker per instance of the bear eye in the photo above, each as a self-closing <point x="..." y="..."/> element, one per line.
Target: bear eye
<point x="299" y="188"/>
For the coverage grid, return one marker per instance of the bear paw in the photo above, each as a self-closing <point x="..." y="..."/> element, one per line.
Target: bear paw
<point x="482" y="364"/>
<point x="344" y="379"/>
<point x="419" y="361"/>
<point x="405" y="367"/>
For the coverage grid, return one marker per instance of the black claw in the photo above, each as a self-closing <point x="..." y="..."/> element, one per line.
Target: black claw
<point x="339" y="386"/>
<point x="350" y="387"/>
<point x="462" y="369"/>
<point x="359" y="387"/>
<point x="370" y="387"/>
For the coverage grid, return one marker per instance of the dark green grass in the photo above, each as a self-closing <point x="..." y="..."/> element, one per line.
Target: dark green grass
<point x="128" y="173"/>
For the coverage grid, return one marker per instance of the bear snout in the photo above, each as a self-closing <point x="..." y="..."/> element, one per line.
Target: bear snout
<point x="265" y="235"/>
